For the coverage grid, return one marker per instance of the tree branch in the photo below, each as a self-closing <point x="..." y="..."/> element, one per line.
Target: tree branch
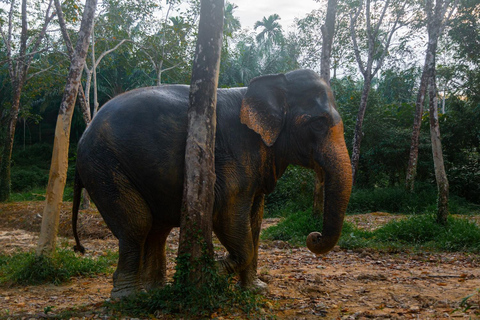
<point x="109" y="51"/>
<point x="353" y="22"/>
<point x="30" y="76"/>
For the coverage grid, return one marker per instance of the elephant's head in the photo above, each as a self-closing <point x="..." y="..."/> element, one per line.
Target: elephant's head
<point x="296" y="115"/>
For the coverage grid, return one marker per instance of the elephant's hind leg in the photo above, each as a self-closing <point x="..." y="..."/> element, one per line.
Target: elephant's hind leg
<point x="129" y="217"/>
<point x="155" y="260"/>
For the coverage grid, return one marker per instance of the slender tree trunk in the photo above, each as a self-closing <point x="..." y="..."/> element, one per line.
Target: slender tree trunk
<point x="198" y="195"/>
<point x="84" y="104"/>
<point x="440" y="174"/>
<point x="328" y="30"/>
<point x="358" y="134"/>
<point x="417" y="123"/>
<point x="59" y="165"/>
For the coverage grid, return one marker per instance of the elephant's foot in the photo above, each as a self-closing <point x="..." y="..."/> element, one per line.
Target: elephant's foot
<point x="152" y="285"/>
<point x="124" y="286"/>
<point x="224" y="267"/>
<point x="256" y="286"/>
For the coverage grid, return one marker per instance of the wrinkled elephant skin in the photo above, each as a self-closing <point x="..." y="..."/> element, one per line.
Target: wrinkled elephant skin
<point x="131" y="161"/>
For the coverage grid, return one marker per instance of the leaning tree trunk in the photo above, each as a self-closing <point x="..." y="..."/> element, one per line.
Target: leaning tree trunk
<point x="440" y="174"/>
<point x="358" y="134"/>
<point x="195" y="248"/>
<point x="59" y="165"/>
<point x="417" y="123"/>
<point x="328" y="30"/>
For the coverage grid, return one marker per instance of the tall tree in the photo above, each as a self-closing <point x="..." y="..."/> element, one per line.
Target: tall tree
<point x="271" y="33"/>
<point x="198" y="195"/>
<point x="18" y="67"/>
<point x="328" y="30"/>
<point x="438" y="14"/>
<point x="59" y="164"/>
<point x="378" y="40"/>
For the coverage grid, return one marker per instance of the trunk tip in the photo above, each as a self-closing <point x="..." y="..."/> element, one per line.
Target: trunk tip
<point x="319" y="244"/>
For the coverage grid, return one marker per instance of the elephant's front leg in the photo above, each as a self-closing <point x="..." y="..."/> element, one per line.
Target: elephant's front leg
<point x="248" y="276"/>
<point x="238" y="230"/>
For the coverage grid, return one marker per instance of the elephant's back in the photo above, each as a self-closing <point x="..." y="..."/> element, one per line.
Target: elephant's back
<point x="141" y="135"/>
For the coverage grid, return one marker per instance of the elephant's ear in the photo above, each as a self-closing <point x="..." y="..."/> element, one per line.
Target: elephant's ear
<point x="264" y="106"/>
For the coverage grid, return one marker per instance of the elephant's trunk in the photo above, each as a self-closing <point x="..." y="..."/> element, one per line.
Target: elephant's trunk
<point x="333" y="158"/>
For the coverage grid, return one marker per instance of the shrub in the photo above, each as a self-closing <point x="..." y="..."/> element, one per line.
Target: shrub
<point x="26" y="268"/>
<point x="294" y="192"/>
<point x="27" y="178"/>
<point x="419" y="231"/>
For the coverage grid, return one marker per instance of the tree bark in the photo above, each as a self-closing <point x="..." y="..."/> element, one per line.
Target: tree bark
<point x="198" y="195"/>
<point x="84" y="105"/>
<point x="328" y="31"/>
<point x="368" y="69"/>
<point x="358" y="134"/>
<point x="417" y="123"/>
<point x="435" y="23"/>
<point x="59" y="164"/>
<point x="440" y="174"/>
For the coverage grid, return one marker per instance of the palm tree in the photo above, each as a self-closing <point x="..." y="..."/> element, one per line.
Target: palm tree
<point x="271" y="33"/>
<point x="230" y="22"/>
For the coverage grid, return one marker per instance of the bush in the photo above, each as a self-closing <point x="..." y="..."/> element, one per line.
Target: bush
<point x="27" y="269"/>
<point x="27" y="178"/>
<point x="218" y="296"/>
<point x="294" y="192"/>
<point x="419" y="231"/>
<point x="393" y="200"/>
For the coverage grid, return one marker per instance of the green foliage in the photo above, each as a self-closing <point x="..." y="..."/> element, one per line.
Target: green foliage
<point x="294" y="228"/>
<point x="27" y="269"/>
<point x="415" y="232"/>
<point x="393" y="199"/>
<point x="294" y="192"/>
<point x="26" y="178"/>
<point x="221" y="296"/>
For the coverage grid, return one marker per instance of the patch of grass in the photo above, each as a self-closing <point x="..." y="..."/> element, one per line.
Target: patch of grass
<point x="220" y="297"/>
<point x="38" y="194"/>
<point x="294" y="228"/>
<point x="27" y="269"/>
<point x="416" y="232"/>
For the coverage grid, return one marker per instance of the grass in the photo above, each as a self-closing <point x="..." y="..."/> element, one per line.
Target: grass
<point x="222" y="297"/>
<point x="27" y="269"/>
<point x="38" y="194"/>
<point x="418" y="232"/>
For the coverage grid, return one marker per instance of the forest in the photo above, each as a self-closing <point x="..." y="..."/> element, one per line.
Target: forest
<point x="406" y="80"/>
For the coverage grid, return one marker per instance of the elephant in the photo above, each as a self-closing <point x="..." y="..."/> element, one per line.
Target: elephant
<point x="130" y="159"/>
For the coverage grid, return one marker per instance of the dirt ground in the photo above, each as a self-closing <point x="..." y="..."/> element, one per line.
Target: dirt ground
<point x="343" y="284"/>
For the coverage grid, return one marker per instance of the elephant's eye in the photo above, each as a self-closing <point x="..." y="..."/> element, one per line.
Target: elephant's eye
<point x="319" y="124"/>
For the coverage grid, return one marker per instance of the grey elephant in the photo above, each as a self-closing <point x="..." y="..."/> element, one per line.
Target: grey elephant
<point x="131" y="161"/>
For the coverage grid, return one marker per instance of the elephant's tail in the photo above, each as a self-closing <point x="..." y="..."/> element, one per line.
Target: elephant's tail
<point x="77" y="194"/>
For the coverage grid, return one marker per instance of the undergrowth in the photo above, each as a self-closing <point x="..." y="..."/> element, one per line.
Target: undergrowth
<point x="27" y="269"/>
<point x="294" y="192"/>
<point x="184" y="298"/>
<point x="417" y="232"/>
<point x="220" y="297"/>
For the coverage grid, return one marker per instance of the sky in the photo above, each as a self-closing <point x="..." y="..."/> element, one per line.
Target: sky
<point x="250" y="11"/>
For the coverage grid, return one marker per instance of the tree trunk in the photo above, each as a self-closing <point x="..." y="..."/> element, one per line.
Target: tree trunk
<point x="358" y="134"/>
<point x="59" y="165"/>
<point x="440" y="174"/>
<point x="417" y="123"/>
<point x="198" y="196"/>
<point x="328" y="30"/>
<point x="84" y="105"/>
